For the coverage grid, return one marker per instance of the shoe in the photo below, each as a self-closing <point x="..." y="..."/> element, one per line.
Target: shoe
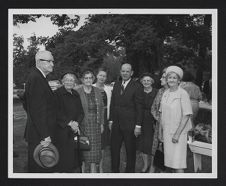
<point x="146" y="171"/>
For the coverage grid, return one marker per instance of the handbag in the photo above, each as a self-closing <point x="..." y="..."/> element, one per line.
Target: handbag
<point x="82" y="142"/>
<point x="159" y="157"/>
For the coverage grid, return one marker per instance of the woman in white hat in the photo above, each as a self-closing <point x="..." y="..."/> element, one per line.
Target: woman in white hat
<point x="176" y="112"/>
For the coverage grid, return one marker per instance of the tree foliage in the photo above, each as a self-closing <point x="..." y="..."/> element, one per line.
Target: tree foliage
<point x="148" y="42"/>
<point x="61" y="20"/>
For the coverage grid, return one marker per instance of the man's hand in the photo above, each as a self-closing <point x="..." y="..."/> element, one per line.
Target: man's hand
<point x="110" y="125"/>
<point x="137" y="131"/>
<point x="102" y="128"/>
<point x="46" y="142"/>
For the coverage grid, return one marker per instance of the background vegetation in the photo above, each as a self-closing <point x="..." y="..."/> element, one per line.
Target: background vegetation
<point x="148" y="42"/>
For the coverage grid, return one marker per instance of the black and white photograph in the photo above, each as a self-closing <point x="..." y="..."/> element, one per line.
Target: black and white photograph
<point x="112" y="93"/>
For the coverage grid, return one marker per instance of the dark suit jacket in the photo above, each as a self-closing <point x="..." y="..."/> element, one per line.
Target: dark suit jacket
<point x="126" y="110"/>
<point x="40" y="107"/>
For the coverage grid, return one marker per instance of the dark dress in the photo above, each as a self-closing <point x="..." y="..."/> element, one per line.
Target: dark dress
<point x="93" y="131"/>
<point x="145" y="140"/>
<point x="105" y="136"/>
<point x="69" y="108"/>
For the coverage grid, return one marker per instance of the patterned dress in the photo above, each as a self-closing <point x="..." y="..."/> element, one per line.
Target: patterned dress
<point x="105" y="136"/>
<point x="156" y="114"/>
<point x="93" y="131"/>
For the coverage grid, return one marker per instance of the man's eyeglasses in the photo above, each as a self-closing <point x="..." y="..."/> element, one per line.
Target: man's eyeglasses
<point x="47" y="60"/>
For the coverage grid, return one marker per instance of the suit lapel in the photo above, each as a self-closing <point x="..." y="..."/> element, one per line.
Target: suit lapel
<point x="128" y="86"/>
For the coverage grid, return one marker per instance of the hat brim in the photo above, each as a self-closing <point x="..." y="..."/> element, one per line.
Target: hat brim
<point x="36" y="154"/>
<point x="175" y="69"/>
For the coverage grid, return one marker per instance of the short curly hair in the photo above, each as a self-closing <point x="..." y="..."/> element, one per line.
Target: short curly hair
<point x="87" y="71"/>
<point x="147" y="74"/>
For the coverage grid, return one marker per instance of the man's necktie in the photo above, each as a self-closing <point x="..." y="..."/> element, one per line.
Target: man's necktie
<point x="122" y="87"/>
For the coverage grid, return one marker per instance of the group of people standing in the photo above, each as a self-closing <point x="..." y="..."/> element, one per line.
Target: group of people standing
<point x="131" y="112"/>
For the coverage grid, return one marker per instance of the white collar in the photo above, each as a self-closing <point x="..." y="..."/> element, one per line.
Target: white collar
<point x="125" y="82"/>
<point x="41" y="72"/>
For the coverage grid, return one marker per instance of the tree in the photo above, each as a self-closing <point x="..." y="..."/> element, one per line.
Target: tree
<point x="24" y="18"/>
<point x="136" y="33"/>
<point x="149" y="42"/>
<point x="18" y="49"/>
<point x="24" y="60"/>
<point x="61" y="20"/>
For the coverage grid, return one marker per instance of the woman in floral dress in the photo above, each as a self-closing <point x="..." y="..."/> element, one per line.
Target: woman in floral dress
<point x="156" y="114"/>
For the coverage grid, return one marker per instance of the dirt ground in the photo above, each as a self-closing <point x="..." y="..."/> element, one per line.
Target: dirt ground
<point x="20" y="147"/>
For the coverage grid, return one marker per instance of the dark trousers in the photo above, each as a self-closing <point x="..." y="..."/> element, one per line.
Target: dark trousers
<point x="117" y="137"/>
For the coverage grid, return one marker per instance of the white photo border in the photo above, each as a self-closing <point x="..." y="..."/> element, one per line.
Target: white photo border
<point x="212" y="12"/>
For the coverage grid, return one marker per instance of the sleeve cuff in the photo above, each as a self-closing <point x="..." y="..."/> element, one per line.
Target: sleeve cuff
<point x="47" y="138"/>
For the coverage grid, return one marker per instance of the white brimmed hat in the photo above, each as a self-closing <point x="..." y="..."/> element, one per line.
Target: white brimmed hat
<point x="176" y="70"/>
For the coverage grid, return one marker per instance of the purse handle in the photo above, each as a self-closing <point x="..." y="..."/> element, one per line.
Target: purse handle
<point x="82" y="132"/>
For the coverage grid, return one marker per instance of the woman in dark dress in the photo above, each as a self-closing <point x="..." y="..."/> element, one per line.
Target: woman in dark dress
<point x="69" y="116"/>
<point x="147" y="131"/>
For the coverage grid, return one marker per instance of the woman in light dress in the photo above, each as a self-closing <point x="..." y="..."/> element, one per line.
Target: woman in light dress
<point x="176" y="112"/>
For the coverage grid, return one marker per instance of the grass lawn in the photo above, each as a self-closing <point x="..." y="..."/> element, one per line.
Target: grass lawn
<point x="20" y="147"/>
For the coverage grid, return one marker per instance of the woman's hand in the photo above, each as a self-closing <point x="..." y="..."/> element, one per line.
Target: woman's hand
<point x="102" y="128"/>
<point x="110" y="125"/>
<point x="160" y="137"/>
<point x="74" y="126"/>
<point x="175" y="138"/>
<point x="160" y="133"/>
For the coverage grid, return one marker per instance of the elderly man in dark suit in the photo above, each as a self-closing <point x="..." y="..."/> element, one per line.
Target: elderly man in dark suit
<point x="126" y="115"/>
<point x="40" y="107"/>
